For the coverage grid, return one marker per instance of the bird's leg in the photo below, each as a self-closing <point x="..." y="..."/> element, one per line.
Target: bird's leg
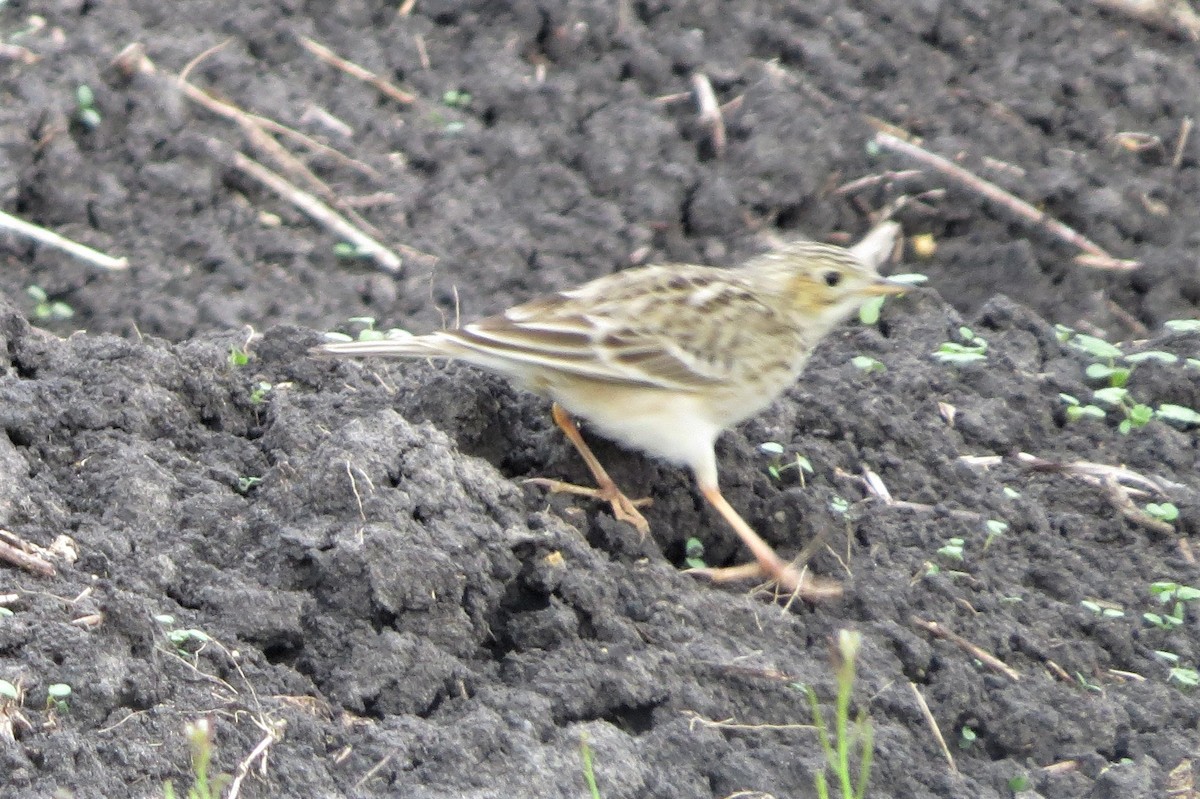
<point x="767" y="563"/>
<point x="624" y="508"/>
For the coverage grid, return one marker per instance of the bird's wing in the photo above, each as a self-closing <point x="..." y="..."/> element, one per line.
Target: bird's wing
<point x="663" y="327"/>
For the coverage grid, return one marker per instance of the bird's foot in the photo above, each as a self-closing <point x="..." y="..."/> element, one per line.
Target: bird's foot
<point x="624" y="508"/>
<point x="801" y="583"/>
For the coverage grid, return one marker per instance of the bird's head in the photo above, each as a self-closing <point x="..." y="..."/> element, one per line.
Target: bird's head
<point x="819" y="284"/>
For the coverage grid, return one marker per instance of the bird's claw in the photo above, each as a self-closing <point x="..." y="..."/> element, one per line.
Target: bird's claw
<point x="624" y="508"/>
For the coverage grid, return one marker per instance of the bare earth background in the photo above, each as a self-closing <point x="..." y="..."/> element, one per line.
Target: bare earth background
<point x="389" y="600"/>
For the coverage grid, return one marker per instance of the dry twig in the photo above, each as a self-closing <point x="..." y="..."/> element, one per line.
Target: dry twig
<point x="1093" y="255"/>
<point x="695" y="719"/>
<point x="710" y="112"/>
<point x="985" y="657"/>
<point x="933" y="725"/>
<point x="319" y="212"/>
<point x="354" y="70"/>
<point x="1185" y="132"/>
<point x="43" y="236"/>
<point x="1173" y="16"/>
<point x="19" y="552"/>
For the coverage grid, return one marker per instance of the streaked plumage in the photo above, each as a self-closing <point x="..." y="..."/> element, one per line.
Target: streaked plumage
<point x="663" y="358"/>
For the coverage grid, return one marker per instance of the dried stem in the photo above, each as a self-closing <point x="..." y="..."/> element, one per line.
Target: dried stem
<point x="1093" y="255"/>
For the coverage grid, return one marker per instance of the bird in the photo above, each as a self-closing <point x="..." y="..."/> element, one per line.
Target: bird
<point x="664" y="358"/>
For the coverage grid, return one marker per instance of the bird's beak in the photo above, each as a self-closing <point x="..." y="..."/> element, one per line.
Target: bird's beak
<point x="884" y="286"/>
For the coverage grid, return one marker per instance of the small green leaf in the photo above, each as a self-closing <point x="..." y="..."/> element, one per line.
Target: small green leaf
<point x="1011" y="493"/>
<point x="1070" y="400"/>
<point x="1170" y="657"/>
<point x="1182" y="325"/>
<point x="1188" y="678"/>
<point x="771" y="447"/>
<point x="1152" y="355"/>
<point x="1180" y="414"/>
<point x="1165" y="511"/>
<point x="1096" y="347"/>
<point x="867" y="364"/>
<point x="58" y="691"/>
<point x="959" y="358"/>
<point x="1113" y="395"/>
<point x="1185" y="593"/>
<point x="693" y="550"/>
<point x="868" y="312"/>
<point x="8" y="690"/>
<point x="1140" y="415"/>
<point x="996" y="527"/>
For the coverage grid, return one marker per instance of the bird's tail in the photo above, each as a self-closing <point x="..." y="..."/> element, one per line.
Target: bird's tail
<point x="434" y="345"/>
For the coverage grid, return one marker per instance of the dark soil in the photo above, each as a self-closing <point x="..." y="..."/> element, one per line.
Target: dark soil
<point x="374" y="583"/>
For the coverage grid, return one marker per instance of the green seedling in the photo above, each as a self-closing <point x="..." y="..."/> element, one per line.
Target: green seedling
<point x="244" y="484"/>
<point x="1136" y="414"/>
<point x="238" y="356"/>
<point x="1182" y="325"/>
<point x="182" y="639"/>
<point x="868" y="312"/>
<point x="200" y="744"/>
<point x="1179" y="414"/>
<point x="85" y="107"/>
<point x="1077" y="411"/>
<point x="258" y="394"/>
<point x="693" y="554"/>
<point x="366" y="332"/>
<point x="1165" y="621"/>
<point x="966" y="738"/>
<point x="1158" y="356"/>
<point x="1087" y="685"/>
<point x="838" y="747"/>
<point x="839" y="506"/>
<point x="952" y="549"/>
<point x="1011" y="493"/>
<point x="46" y="309"/>
<point x="1115" y="394"/>
<point x="57" y="696"/>
<point x="971" y="349"/>
<point x="777" y="467"/>
<point x="1019" y="783"/>
<point x="1102" y="609"/>
<point x="1175" y="595"/>
<point x="454" y="98"/>
<point x="1163" y="511"/>
<point x="1185" y="678"/>
<point x="1169" y="657"/>
<point x="589" y="771"/>
<point x="9" y="692"/>
<point x="995" y="528"/>
<point x="867" y="364"/>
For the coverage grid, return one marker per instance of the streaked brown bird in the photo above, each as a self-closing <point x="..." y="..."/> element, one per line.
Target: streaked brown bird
<point x="663" y="358"/>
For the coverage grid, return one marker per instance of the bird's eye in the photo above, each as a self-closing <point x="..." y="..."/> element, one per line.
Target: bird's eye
<point x="832" y="278"/>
